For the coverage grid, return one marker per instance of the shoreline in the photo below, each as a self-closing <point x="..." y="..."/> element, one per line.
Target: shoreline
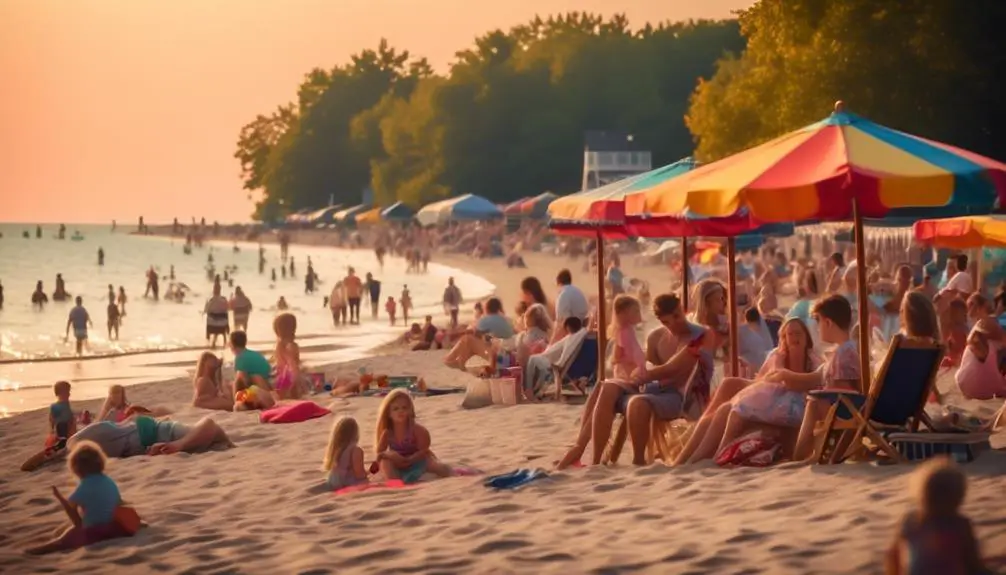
<point x="356" y="342"/>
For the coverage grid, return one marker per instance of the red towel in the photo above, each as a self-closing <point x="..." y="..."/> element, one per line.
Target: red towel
<point x="293" y="412"/>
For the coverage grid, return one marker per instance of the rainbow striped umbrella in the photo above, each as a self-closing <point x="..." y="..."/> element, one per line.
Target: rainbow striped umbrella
<point x="844" y="167"/>
<point x="963" y="233"/>
<point x="603" y="209"/>
<point x="819" y="171"/>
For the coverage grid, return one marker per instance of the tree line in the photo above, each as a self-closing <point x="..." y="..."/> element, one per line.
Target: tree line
<point x="508" y="118"/>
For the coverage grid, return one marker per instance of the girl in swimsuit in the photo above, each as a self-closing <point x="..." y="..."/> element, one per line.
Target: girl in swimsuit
<point x="287" y="356"/>
<point x="344" y="458"/>
<point x="402" y="445"/>
<point x="118" y="409"/>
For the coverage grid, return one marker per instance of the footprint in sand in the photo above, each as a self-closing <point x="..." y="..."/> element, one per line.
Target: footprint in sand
<point x="778" y="505"/>
<point x="747" y="536"/>
<point x="500" y="545"/>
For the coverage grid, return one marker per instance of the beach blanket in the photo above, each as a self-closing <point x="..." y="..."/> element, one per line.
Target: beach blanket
<point x="515" y="479"/>
<point x="294" y="412"/>
<point x="390" y="484"/>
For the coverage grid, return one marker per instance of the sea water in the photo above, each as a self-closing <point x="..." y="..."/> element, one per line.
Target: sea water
<point x="159" y="339"/>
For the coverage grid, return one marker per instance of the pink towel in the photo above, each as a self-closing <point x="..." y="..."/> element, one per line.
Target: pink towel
<point x="391" y="484"/>
<point x="293" y="412"/>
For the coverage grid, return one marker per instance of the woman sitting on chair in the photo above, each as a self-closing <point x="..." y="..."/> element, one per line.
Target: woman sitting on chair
<point x="757" y="399"/>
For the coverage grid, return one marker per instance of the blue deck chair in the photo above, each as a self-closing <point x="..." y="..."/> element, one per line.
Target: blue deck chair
<point x="580" y="371"/>
<point x="895" y="402"/>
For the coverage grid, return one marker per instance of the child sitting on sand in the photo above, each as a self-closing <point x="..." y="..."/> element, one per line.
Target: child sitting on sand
<point x="936" y="538"/>
<point x="91" y="507"/>
<point x="118" y="409"/>
<point x="343" y="457"/>
<point x="402" y="445"/>
<point x="627" y="356"/>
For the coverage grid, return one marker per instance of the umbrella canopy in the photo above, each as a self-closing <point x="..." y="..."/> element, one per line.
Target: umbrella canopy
<point x="348" y="215"/>
<point x="371" y="216"/>
<point x="537" y="207"/>
<point x="462" y="208"/>
<point x="817" y="171"/>
<point x="398" y="212"/>
<point x="604" y="207"/>
<point x="514" y="208"/>
<point x="963" y="233"/>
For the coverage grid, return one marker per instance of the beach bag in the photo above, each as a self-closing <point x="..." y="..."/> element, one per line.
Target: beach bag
<point x="752" y="450"/>
<point x="127" y="519"/>
<point x="478" y="394"/>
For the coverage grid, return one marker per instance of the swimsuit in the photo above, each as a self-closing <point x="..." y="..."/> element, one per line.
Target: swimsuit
<point x="407" y="448"/>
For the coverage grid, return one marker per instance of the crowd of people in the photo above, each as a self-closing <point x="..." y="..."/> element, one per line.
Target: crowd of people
<point x="667" y="375"/>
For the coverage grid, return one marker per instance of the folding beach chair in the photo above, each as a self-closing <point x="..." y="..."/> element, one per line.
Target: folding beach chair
<point x="666" y="436"/>
<point x="895" y="402"/>
<point x="580" y="370"/>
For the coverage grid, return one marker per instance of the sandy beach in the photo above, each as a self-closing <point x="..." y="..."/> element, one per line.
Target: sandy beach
<point x="261" y="507"/>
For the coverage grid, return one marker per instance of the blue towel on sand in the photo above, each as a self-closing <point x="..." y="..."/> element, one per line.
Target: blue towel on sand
<point x="515" y="479"/>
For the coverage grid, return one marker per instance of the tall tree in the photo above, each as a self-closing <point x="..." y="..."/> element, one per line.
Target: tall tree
<point x="903" y="63"/>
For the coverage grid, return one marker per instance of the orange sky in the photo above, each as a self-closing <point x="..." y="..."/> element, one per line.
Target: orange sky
<point x="110" y="109"/>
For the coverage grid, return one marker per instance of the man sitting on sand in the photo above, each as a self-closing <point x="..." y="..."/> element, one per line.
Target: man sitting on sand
<point x="250" y="366"/>
<point x="148" y="436"/>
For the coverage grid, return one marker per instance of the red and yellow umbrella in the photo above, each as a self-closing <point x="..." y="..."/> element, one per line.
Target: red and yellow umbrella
<point x="963" y="233"/>
<point x="844" y="167"/>
<point x="820" y="171"/>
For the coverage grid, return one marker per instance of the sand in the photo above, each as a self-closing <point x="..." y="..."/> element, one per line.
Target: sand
<point x="261" y="508"/>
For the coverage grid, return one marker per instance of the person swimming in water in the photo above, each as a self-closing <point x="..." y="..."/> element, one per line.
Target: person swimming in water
<point x="38" y="298"/>
<point x="60" y="293"/>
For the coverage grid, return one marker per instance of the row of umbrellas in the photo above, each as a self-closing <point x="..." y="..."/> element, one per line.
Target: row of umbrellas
<point x="842" y="168"/>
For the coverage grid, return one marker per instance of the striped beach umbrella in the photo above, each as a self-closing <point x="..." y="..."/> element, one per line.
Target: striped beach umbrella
<point x="819" y="172"/>
<point x="844" y="167"/>
<point x="962" y="233"/>
<point x="603" y="209"/>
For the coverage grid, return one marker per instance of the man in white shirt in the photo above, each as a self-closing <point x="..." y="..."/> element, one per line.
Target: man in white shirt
<point x="961" y="282"/>
<point x="570" y="303"/>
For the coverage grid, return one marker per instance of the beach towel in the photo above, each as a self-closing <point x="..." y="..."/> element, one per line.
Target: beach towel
<point x="390" y="484"/>
<point x="515" y="479"/>
<point x="293" y="412"/>
<point x="752" y="450"/>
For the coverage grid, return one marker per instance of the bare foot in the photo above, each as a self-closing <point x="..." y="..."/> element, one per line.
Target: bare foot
<point x="572" y="457"/>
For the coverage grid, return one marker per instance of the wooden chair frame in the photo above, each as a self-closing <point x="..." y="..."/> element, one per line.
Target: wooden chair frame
<point x="860" y="425"/>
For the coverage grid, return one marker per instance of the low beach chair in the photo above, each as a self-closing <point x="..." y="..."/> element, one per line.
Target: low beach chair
<point x="895" y="402"/>
<point x="580" y="371"/>
<point x="666" y="436"/>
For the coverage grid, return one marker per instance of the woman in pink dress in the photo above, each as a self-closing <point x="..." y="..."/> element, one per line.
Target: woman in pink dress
<point x="757" y="400"/>
<point x="979" y="376"/>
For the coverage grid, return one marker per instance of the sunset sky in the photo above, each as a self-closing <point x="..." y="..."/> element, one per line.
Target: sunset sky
<point x="111" y="109"/>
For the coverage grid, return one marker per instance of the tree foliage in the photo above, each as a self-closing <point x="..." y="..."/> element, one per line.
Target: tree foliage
<point x="507" y="120"/>
<point x="927" y="67"/>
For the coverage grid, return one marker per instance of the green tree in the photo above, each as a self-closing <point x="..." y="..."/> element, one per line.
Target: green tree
<point x="902" y="63"/>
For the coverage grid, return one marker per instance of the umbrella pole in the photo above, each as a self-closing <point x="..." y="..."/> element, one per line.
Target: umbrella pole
<point x="865" y="378"/>
<point x="732" y="304"/>
<point x="684" y="273"/>
<point x="602" y="304"/>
